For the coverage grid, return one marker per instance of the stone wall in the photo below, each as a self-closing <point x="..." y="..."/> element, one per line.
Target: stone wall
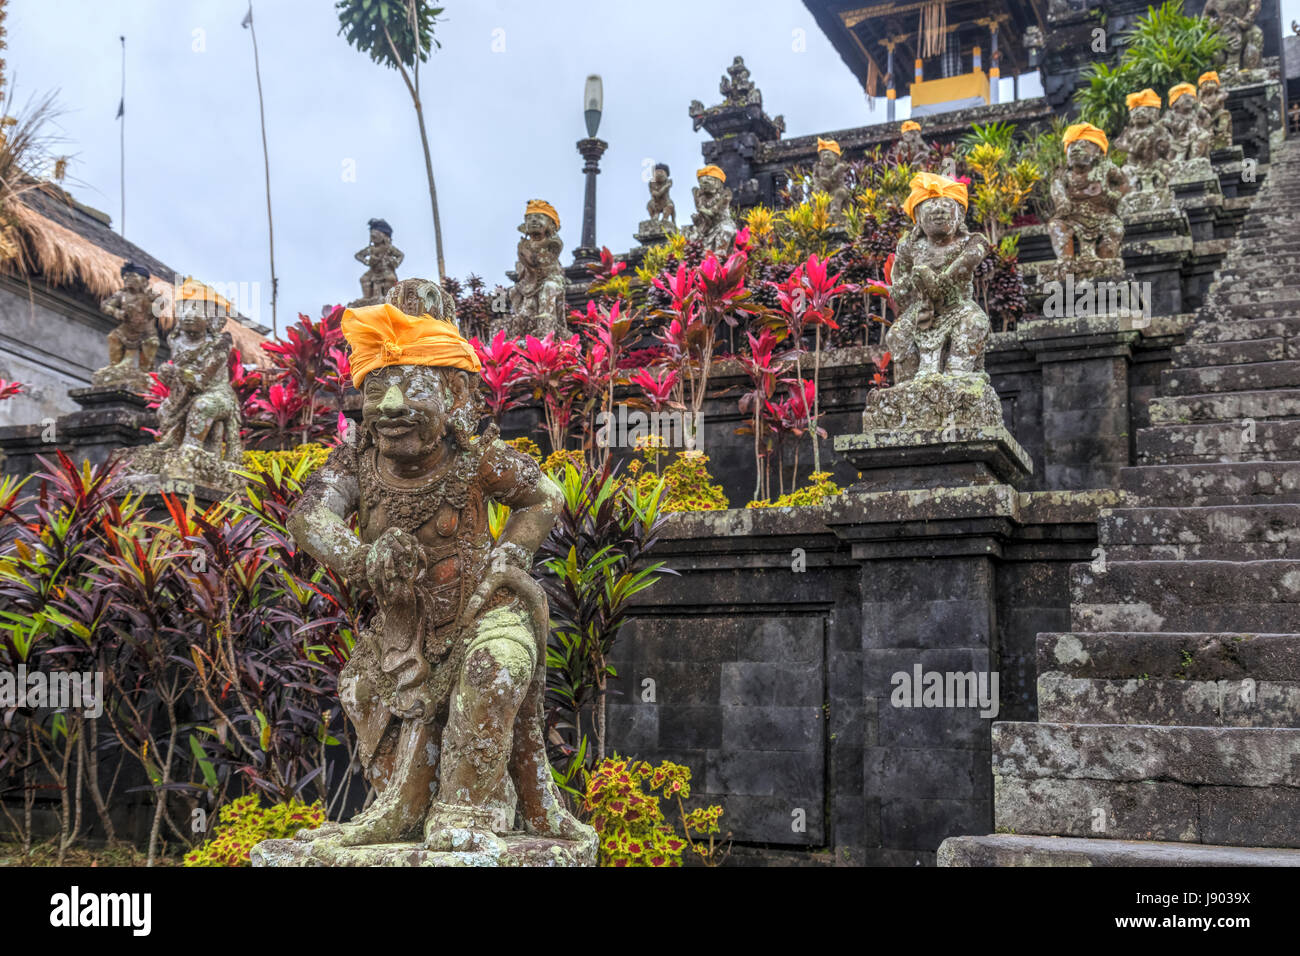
<point x="773" y="684"/>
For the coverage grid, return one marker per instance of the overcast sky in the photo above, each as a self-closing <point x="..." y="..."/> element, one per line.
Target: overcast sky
<point x="503" y="106"/>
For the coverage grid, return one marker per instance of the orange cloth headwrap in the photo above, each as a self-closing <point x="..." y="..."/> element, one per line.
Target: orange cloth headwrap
<point x="931" y="186"/>
<point x="1182" y="89"/>
<point x="830" y="144"/>
<point x="383" y="335"/>
<point x="1147" y="97"/>
<point x="911" y="125"/>
<point x="545" y="208"/>
<point x="1086" y="131"/>
<point x="1209" y="76"/>
<point x="714" y="171"/>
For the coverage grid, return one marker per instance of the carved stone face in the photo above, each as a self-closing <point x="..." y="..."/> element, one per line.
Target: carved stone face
<point x="405" y="409"/>
<point x="939" y="217"/>
<point x="378" y="238"/>
<point x="1143" y="116"/>
<point x="710" y="185"/>
<point x="1083" y="152"/>
<point x="827" y="157"/>
<point x="134" y="282"/>
<point x="1209" y="88"/>
<point x="1185" y="103"/>
<point x="192" y="317"/>
<point x="538" y="224"/>
<point x="660" y="175"/>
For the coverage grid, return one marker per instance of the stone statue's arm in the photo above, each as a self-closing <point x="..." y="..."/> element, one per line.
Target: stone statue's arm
<point x="973" y="251"/>
<point x="319" y="521"/>
<point x="514" y="479"/>
<point x="397" y="256"/>
<point x="363" y="256"/>
<point x="1060" y="198"/>
<point x="113" y="305"/>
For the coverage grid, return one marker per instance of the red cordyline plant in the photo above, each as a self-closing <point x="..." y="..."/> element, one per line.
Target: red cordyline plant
<point x="763" y="368"/>
<point x="794" y="417"/>
<point x="502" y="374"/>
<point x="312" y="372"/>
<point x="548" y="367"/>
<point x="9" y="389"/>
<point x="607" y="331"/>
<point x="809" y="298"/>
<point x="701" y="300"/>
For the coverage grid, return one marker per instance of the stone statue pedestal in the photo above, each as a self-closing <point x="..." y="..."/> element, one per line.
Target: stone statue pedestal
<point x="1083" y="267"/>
<point x="109" y="419"/>
<point x="651" y="232"/>
<point x="125" y="376"/>
<point x="1153" y="203"/>
<point x="521" y="849"/>
<point x="182" y="471"/>
<point x="939" y="430"/>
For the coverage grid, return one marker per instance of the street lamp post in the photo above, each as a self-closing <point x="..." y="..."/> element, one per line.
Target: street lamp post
<point x="591" y="149"/>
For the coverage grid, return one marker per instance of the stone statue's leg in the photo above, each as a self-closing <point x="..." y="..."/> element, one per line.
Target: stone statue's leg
<point x="902" y="349"/>
<point x="1062" y="235"/>
<point x="539" y="796"/>
<point x="966" y="344"/>
<point x="148" y="352"/>
<point x="1110" y="238"/>
<point x="476" y="796"/>
<point x="116" y="347"/>
<point x="199" y="423"/>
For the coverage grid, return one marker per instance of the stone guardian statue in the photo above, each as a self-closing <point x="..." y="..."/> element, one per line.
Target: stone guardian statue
<point x="711" y="223"/>
<point x="537" y="298"/>
<point x="381" y="259"/>
<point x="1085" y="229"/>
<point x="830" y="175"/>
<point x="133" y="344"/>
<point x="445" y="687"/>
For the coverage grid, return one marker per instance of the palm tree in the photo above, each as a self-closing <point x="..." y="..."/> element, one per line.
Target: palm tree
<point x="398" y="34"/>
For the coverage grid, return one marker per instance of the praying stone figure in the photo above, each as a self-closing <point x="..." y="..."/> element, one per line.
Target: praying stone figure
<point x="829" y="175"/>
<point x="938" y="340"/>
<point x="1187" y="123"/>
<point x="445" y="687"/>
<point x="1214" y="101"/>
<point x="711" y="223"/>
<point x="1085" y="229"/>
<point x="537" y="298"/>
<point x="199" y="420"/>
<point x="913" y="148"/>
<point x="1146" y="141"/>
<point x="663" y="213"/>
<point x="133" y="344"/>
<point x="1243" y="37"/>
<point x="381" y="259"/>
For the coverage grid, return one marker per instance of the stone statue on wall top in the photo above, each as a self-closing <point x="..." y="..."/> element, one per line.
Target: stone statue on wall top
<point x="711" y="223"/>
<point x="1085" y="229"/>
<point x="830" y="175"/>
<point x="381" y="259"/>
<point x="199" y="420"/>
<point x="537" y="298"/>
<point x="1214" y="101"/>
<point x="133" y="344"/>
<point x="1243" y="38"/>
<point x="1148" y="148"/>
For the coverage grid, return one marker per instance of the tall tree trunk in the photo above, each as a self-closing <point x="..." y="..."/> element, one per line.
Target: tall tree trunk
<point x="413" y="87"/>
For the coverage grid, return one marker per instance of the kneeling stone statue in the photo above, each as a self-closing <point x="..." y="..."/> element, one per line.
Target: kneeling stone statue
<point x="445" y="688"/>
<point x="938" y="340"/>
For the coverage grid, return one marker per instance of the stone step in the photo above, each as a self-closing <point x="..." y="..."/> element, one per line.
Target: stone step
<point x="1224" y="406"/>
<point x="1182" y="655"/>
<point x="1245" y="440"/>
<point x="1004" y="849"/>
<point x="1168" y="701"/>
<point x="1218" y="311"/>
<point x="1222" y="532"/>
<point x="1244" y="330"/>
<point x="1186" y="596"/>
<point x="1230" y="786"/>
<point x="1230" y="378"/>
<point x="1278" y="297"/>
<point x="1213" y="484"/>
<point x="1203" y="354"/>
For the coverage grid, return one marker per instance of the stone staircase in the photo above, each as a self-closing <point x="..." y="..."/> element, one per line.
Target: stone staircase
<point x="1169" y="717"/>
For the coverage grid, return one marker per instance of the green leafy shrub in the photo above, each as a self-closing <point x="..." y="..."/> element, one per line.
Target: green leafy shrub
<point x="244" y="823"/>
<point x="632" y="826"/>
<point x="688" y="486"/>
<point x="313" y="453"/>
<point x="819" y="492"/>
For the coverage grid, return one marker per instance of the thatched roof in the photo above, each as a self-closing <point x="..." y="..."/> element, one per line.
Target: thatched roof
<point x="64" y="243"/>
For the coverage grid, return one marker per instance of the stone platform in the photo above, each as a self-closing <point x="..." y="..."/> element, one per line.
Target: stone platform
<point x="1013" y="850"/>
<point x="522" y="849"/>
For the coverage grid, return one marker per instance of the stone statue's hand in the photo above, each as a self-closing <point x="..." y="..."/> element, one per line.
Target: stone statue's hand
<point x="505" y="572"/>
<point x="395" y="566"/>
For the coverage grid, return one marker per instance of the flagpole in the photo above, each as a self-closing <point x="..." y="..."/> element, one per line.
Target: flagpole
<point x="121" y="115"/>
<point x="266" y="162"/>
